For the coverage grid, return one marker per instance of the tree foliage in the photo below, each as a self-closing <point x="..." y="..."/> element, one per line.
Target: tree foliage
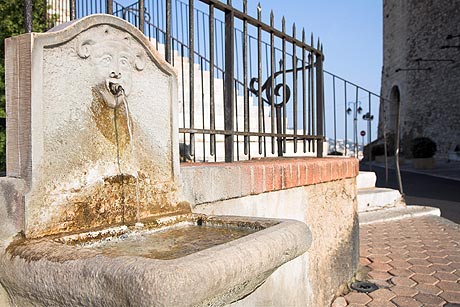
<point x="11" y="24"/>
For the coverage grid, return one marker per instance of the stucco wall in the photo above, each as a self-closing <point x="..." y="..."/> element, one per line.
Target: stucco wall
<point x="429" y="99"/>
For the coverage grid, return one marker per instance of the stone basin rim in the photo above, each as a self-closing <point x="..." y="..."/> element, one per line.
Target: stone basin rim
<point x="215" y="276"/>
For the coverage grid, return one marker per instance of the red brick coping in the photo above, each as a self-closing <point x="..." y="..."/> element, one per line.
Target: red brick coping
<point x="273" y="174"/>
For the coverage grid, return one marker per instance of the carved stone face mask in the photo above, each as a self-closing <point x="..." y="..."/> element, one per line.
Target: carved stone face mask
<point x="114" y="62"/>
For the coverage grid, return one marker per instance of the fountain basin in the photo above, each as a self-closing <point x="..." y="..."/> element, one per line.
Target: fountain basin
<point x="232" y="259"/>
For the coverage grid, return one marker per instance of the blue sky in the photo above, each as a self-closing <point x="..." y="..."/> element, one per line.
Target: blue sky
<point x="351" y="32"/>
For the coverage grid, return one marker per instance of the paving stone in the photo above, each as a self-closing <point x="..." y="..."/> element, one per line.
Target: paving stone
<point x="446" y="276"/>
<point x="401" y="273"/>
<point x="429" y="270"/>
<point x="439" y="260"/>
<point x="382" y="294"/>
<point x="442" y="268"/>
<point x="429" y="299"/>
<point x="404" y="301"/>
<point x="455" y="265"/>
<point x="424" y="279"/>
<point x="379" y="251"/>
<point x="403" y="281"/>
<point x="380" y="275"/>
<point x="454" y="257"/>
<point x="428" y="289"/>
<point x="451" y="297"/>
<point x="449" y="286"/>
<point x="382" y="267"/>
<point x="339" y="302"/>
<point x="400" y="264"/>
<point x="381" y="303"/>
<point x="418" y="261"/>
<point x="364" y="261"/>
<point x="380" y="259"/>
<point x="403" y="291"/>
<point x="357" y="298"/>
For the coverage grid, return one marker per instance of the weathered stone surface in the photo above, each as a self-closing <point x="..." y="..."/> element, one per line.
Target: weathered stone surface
<point x="429" y="99"/>
<point x="45" y="273"/>
<point x="81" y="148"/>
<point x="329" y="210"/>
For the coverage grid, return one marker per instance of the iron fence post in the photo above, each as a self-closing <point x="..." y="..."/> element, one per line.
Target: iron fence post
<point x="168" y="32"/>
<point x="28" y="16"/>
<point x="109" y="7"/>
<point x="73" y="9"/>
<point x="228" y="82"/>
<point x="141" y="15"/>
<point x="319" y="104"/>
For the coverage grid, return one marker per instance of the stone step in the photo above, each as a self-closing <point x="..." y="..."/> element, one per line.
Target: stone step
<point x="371" y="199"/>
<point x="397" y="213"/>
<point x="366" y="180"/>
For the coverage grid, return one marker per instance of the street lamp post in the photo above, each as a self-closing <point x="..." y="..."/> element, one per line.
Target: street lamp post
<point x="357" y="109"/>
<point x="369" y="117"/>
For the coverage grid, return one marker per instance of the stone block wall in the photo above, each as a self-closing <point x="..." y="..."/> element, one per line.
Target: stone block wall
<point x="429" y="91"/>
<point x="319" y="192"/>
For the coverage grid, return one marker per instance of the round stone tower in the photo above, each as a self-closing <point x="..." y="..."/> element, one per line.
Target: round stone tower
<point x="421" y="72"/>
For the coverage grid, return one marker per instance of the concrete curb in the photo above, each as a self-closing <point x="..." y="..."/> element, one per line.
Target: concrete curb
<point x="397" y="213"/>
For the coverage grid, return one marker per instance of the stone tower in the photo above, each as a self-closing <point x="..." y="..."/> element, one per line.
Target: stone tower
<point x="420" y="76"/>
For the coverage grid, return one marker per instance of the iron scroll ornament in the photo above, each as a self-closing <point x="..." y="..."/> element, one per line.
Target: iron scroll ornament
<point x="278" y="91"/>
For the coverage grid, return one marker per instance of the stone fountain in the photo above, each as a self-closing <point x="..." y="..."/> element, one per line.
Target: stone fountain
<point x="91" y="213"/>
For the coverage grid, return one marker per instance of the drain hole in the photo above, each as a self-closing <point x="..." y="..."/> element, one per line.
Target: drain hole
<point x="363" y="286"/>
<point x="199" y="222"/>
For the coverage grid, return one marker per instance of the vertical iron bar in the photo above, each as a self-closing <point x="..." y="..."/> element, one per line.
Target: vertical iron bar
<point x="228" y="81"/>
<point x="28" y="16"/>
<point x="259" y="76"/>
<point x="245" y="79"/>
<point x="236" y="121"/>
<point x="369" y="133"/>
<point x="304" y="93"/>
<point x="355" y="123"/>
<point x="141" y="15"/>
<point x="157" y="29"/>
<point x="191" y="61"/>
<point x="335" y="113"/>
<point x="212" y="115"/>
<point x="313" y="96"/>
<point x="168" y="32"/>
<point x="346" y="128"/>
<point x="319" y="103"/>
<point x="202" y="108"/>
<point x="183" y="91"/>
<point x="284" y="121"/>
<point x="294" y="83"/>
<point x="109" y="8"/>
<point x="272" y="79"/>
<point x="73" y="10"/>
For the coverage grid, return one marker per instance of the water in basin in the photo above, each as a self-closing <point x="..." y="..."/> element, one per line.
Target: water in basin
<point x="170" y="243"/>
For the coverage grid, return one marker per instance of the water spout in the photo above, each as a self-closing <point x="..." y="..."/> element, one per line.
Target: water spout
<point x="118" y="92"/>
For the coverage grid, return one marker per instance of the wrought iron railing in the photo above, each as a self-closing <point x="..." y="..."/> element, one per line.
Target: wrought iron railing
<point x="250" y="51"/>
<point x="216" y="60"/>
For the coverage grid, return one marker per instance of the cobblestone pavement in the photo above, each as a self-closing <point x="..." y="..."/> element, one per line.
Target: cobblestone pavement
<point x="415" y="263"/>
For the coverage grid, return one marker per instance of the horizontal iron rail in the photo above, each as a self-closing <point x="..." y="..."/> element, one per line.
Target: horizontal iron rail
<point x="250" y="133"/>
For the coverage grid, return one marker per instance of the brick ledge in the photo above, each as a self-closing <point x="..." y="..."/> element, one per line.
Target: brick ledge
<point x="265" y="175"/>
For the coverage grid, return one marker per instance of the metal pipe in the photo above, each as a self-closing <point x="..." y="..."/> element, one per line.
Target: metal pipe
<point x="229" y="82"/>
<point x="73" y="10"/>
<point x="109" y="7"/>
<point x="141" y="15"/>
<point x="168" y="32"/>
<point x="28" y="16"/>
